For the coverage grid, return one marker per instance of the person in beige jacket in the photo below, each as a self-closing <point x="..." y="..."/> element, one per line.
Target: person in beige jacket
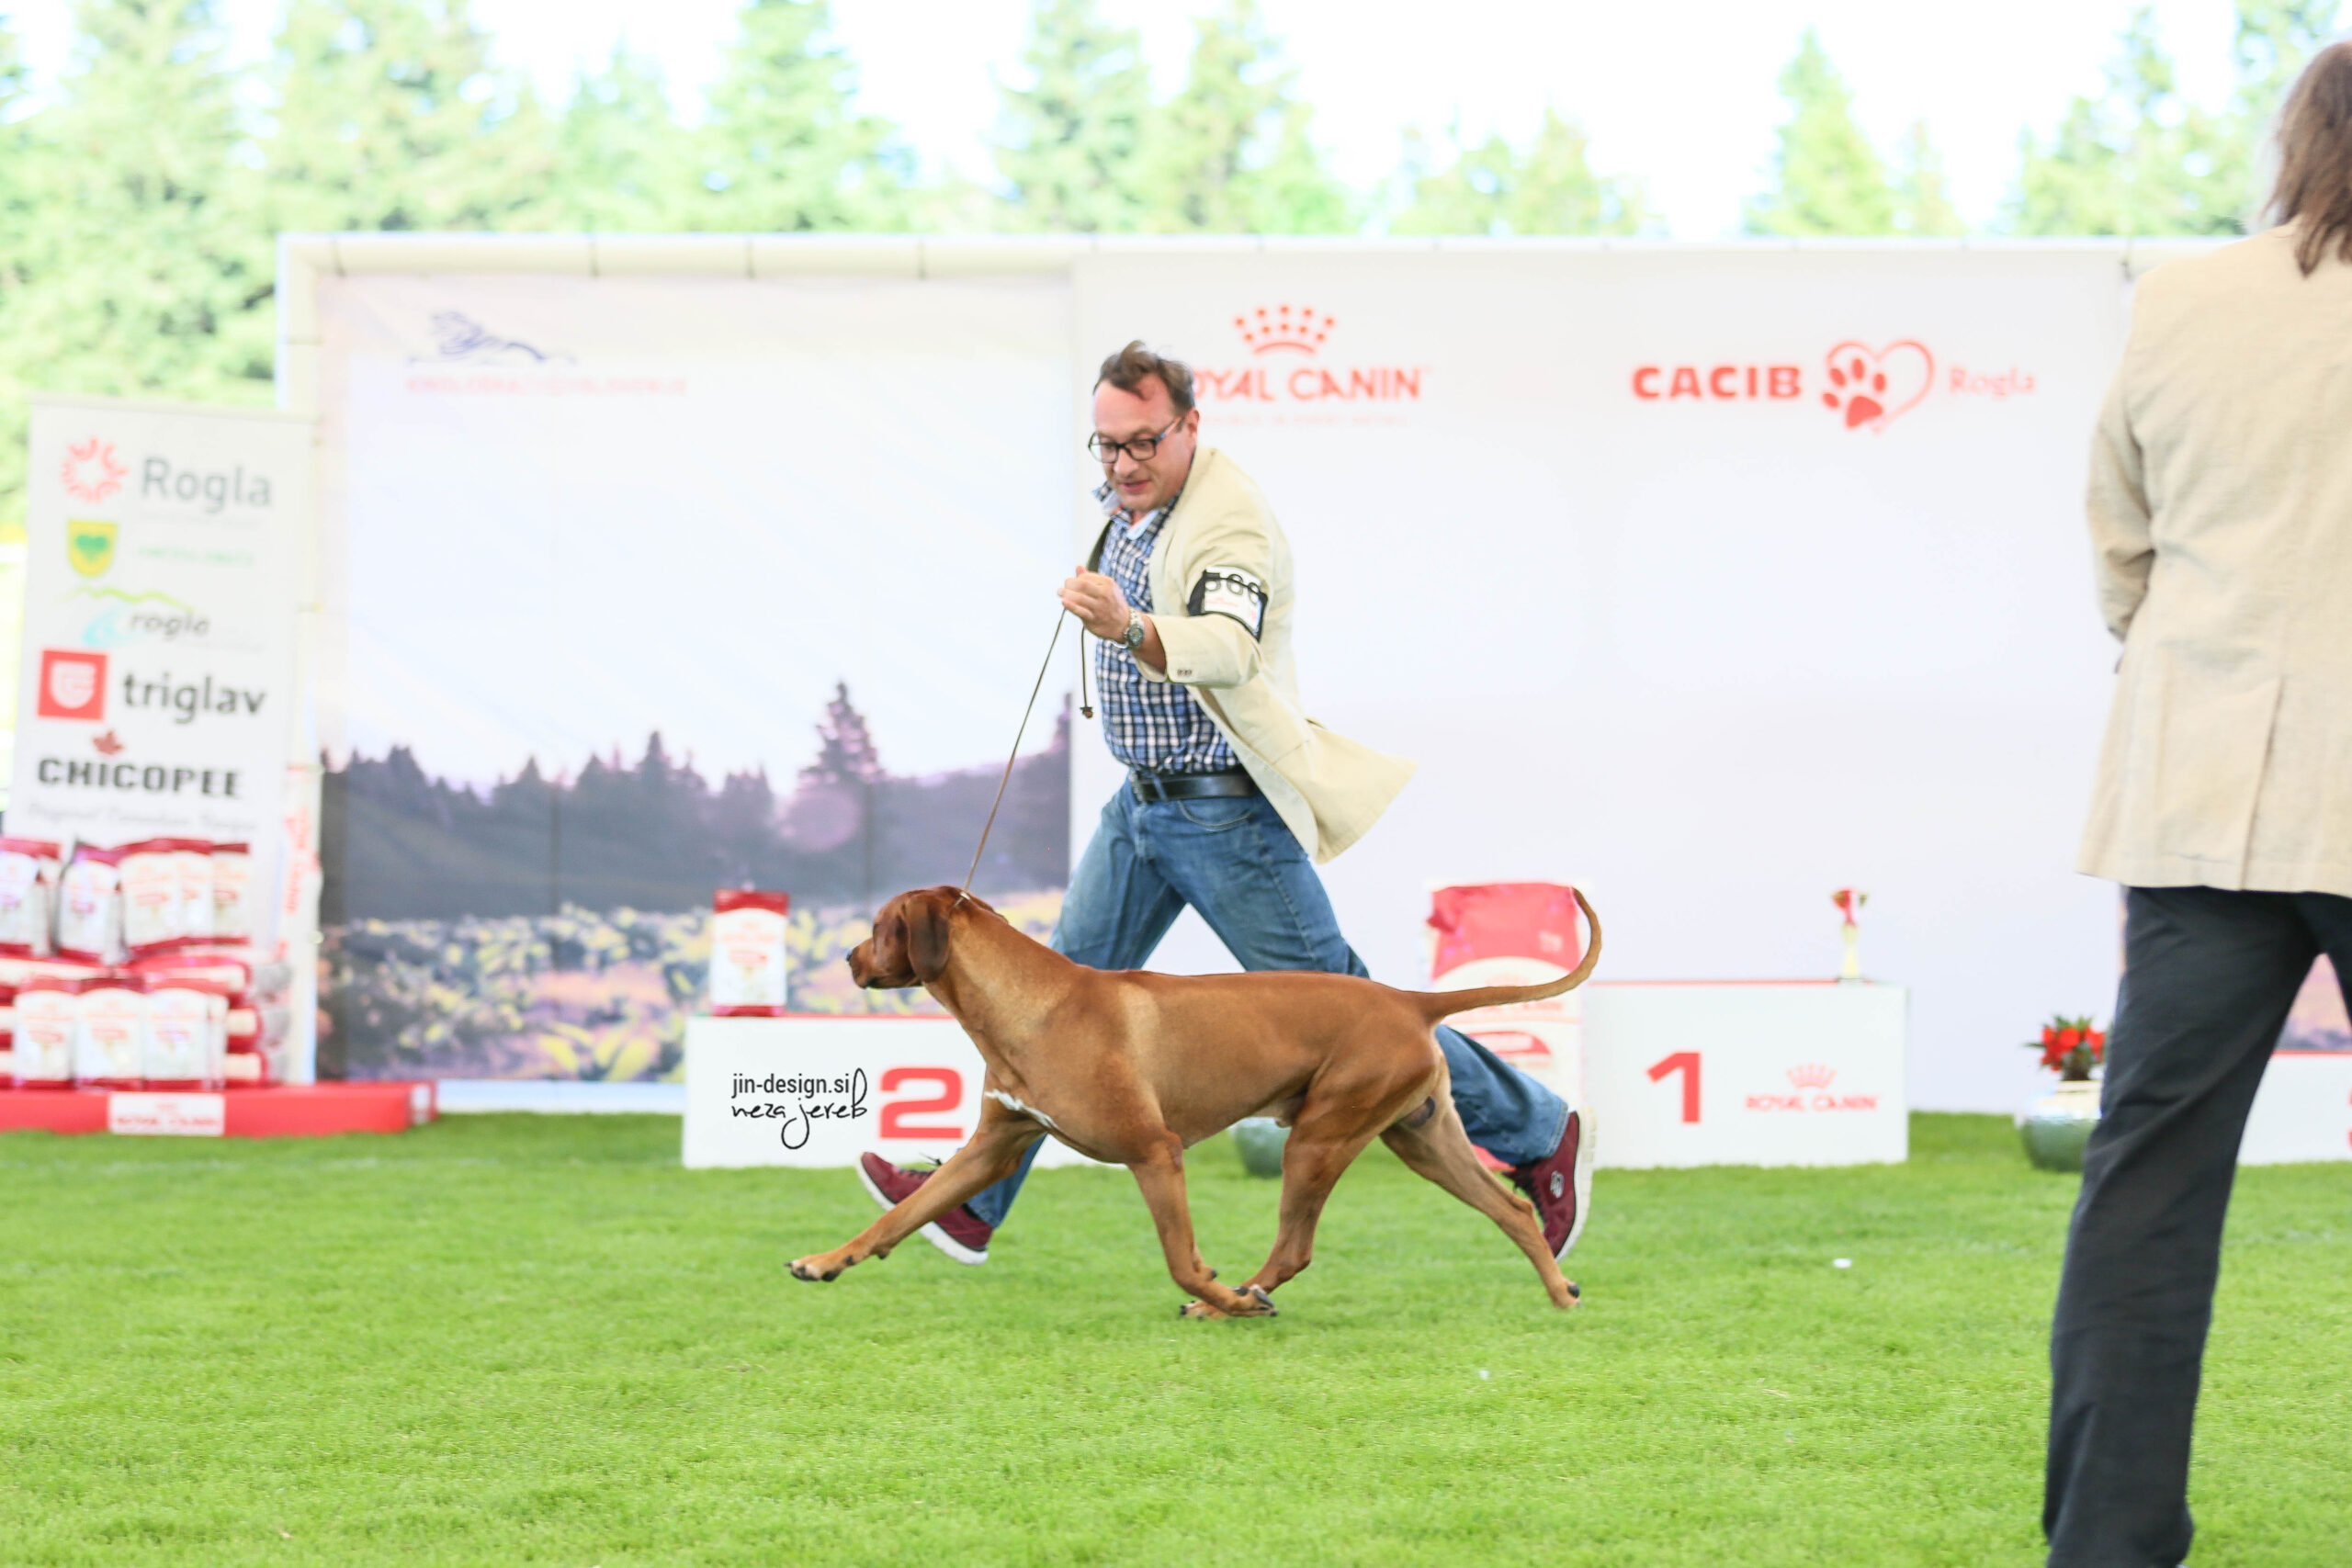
<point x="1233" y="793"/>
<point x="2220" y="515"/>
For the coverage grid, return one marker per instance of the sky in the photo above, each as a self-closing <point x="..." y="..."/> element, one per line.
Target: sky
<point x="1682" y="96"/>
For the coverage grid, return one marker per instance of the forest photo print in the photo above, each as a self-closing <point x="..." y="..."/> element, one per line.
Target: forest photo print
<point x="642" y="588"/>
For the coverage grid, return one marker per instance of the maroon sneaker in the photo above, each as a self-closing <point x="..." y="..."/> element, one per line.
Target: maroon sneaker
<point x="959" y="1233"/>
<point x="1561" y="1184"/>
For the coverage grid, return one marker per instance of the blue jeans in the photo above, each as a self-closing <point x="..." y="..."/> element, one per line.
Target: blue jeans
<point x="1231" y="858"/>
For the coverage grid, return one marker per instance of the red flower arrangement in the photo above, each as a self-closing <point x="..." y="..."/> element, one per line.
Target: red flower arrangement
<point x="2071" y="1046"/>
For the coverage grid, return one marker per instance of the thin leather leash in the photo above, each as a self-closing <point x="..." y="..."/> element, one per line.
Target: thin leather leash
<point x="978" y="850"/>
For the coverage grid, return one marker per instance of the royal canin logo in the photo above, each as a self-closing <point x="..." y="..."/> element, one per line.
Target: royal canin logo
<point x="1285" y="364"/>
<point x="1812" y="1075"/>
<point x="91" y="471"/>
<point x="1866" y="387"/>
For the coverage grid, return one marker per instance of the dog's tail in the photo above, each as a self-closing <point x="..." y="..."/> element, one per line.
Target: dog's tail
<point x="1442" y="1004"/>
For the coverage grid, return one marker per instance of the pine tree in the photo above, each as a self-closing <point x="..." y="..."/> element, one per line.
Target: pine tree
<point x="1494" y="188"/>
<point x="1827" y="179"/>
<point x="1231" y="153"/>
<point x="1922" y="196"/>
<point x="623" y="163"/>
<point x="2274" y="40"/>
<point x="781" y="148"/>
<point x="1071" y="139"/>
<point x="2138" y="160"/>
<point x="140" y="269"/>
<point x="390" y="117"/>
<point x="845" y="749"/>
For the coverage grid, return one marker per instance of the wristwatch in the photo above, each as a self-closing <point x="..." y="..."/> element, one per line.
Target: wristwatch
<point x="1133" y="635"/>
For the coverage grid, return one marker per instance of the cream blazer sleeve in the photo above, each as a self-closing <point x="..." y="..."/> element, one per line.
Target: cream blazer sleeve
<point x="2122" y="545"/>
<point x="1215" y="651"/>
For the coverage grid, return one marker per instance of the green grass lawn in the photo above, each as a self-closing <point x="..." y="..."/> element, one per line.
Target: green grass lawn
<point x="511" y="1339"/>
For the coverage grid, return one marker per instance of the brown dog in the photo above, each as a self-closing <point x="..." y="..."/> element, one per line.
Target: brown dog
<point x="1132" y="1068"/>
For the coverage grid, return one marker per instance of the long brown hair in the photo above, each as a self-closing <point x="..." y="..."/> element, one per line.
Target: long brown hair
<point x="2314" y="186"/>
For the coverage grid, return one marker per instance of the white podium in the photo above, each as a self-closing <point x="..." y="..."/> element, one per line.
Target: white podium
<point x="818" y="1089"/>
<point x="2303" y="1110"/>
<point x="1746" y="1073"/>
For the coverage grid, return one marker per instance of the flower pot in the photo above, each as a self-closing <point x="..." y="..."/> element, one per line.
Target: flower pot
<point x="1261" y="1141"/>
<point x="2056" y="1126"/>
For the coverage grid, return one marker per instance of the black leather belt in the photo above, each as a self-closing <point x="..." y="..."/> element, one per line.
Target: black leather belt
<point x="1151" y="788"/>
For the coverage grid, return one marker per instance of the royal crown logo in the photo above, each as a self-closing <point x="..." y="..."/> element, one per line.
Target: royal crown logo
<point x="1812" y="1075"/>
<point x="91" y="471"/>
<point x="1283" y="329"/>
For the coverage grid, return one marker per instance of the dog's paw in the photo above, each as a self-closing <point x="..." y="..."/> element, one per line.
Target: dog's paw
<point x="1263" y="1303"/>
<point x="806" y="1269"/>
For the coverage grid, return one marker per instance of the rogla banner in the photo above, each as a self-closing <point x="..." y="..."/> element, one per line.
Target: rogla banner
<point x="156" y="694"/>
<point x="1711" y="580"/>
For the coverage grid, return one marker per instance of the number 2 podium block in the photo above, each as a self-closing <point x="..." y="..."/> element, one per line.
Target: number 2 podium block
<point x="1733" y="1073"/>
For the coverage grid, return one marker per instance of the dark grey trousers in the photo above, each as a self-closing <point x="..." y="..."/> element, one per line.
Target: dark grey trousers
<point x="2209" y="977"/>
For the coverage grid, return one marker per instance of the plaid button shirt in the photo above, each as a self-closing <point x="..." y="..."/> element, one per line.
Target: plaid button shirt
<point x="1157" y="726"/>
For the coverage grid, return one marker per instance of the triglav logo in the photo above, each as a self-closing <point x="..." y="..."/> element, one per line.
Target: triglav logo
<point x="1285" y="364"/>
<point x="91" y="471"/>
<point x="89" y="545"/>
<point x="1877" y="386"/>
<point x="72" y="685"/>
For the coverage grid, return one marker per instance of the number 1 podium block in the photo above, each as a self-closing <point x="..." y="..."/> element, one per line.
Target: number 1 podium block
<point x="1746" y="1073"/>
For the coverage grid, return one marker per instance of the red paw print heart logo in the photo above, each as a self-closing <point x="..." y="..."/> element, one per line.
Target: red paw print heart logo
<point x="1877" y="386"/>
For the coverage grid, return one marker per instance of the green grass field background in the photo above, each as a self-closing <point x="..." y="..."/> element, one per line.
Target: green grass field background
<point x="507" y="1339"/>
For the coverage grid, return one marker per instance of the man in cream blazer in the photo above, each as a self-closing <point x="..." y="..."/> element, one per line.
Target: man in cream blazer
<point x="1233" y="794"/>
<point x="2221" y="515"/>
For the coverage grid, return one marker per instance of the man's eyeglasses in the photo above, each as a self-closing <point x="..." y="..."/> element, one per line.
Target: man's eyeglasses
<point x="1140" y="448"/>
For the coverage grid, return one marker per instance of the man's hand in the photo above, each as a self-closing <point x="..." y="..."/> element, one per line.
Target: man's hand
<point x="1101" y="609"/>
<point x="1097" y="602"/>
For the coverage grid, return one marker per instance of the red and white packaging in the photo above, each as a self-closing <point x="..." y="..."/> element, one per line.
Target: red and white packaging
<point x="48" y="1015"/>
<point x="28" y="894"/>
<point x="110" y="1046"/>
<point x="247" y="1069"/>
<point x="1514" y="933"/>
<point x="187" y="1034"/>
<point x="192" y="860"/>
<point x="233" y="877"/>
<point x="89" y="906"/>
<point x="225" y="969"/>
<point x="154" y="911"/>
<point x="747" y="953"/>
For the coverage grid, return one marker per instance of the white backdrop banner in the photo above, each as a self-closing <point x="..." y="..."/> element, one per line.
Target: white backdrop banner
<point x="1710" y="580"/>
<point x="157" y="693"/>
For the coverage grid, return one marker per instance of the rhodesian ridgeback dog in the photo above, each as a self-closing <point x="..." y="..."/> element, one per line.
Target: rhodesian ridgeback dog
<point x="1132" y="1068"/>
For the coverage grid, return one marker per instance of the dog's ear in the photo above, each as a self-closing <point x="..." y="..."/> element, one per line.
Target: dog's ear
<point x="926" y="920"/>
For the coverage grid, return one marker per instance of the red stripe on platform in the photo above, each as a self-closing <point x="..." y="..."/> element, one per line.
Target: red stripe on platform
<point x="285" y="1111"/>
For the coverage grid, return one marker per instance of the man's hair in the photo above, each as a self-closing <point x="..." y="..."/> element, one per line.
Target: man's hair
<point x="1133" y="365"/>
<point x="2314" y="189"/>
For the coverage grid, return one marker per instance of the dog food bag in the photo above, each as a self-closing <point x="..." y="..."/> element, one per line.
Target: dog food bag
<point x="225" y="969"/>
<point x="192" y="861"/>
<point x="110" y="1046"/>
<point x="153" y="915"/>
<point x="49" y="1013"/>
<point x="233" y="877"/>
<point x="1514" y="933"/>
<point x="28" y="886"/>
<point x="89" y="906"/>
<point x="187" y="1036"/>
<point x="747" y="953"/>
